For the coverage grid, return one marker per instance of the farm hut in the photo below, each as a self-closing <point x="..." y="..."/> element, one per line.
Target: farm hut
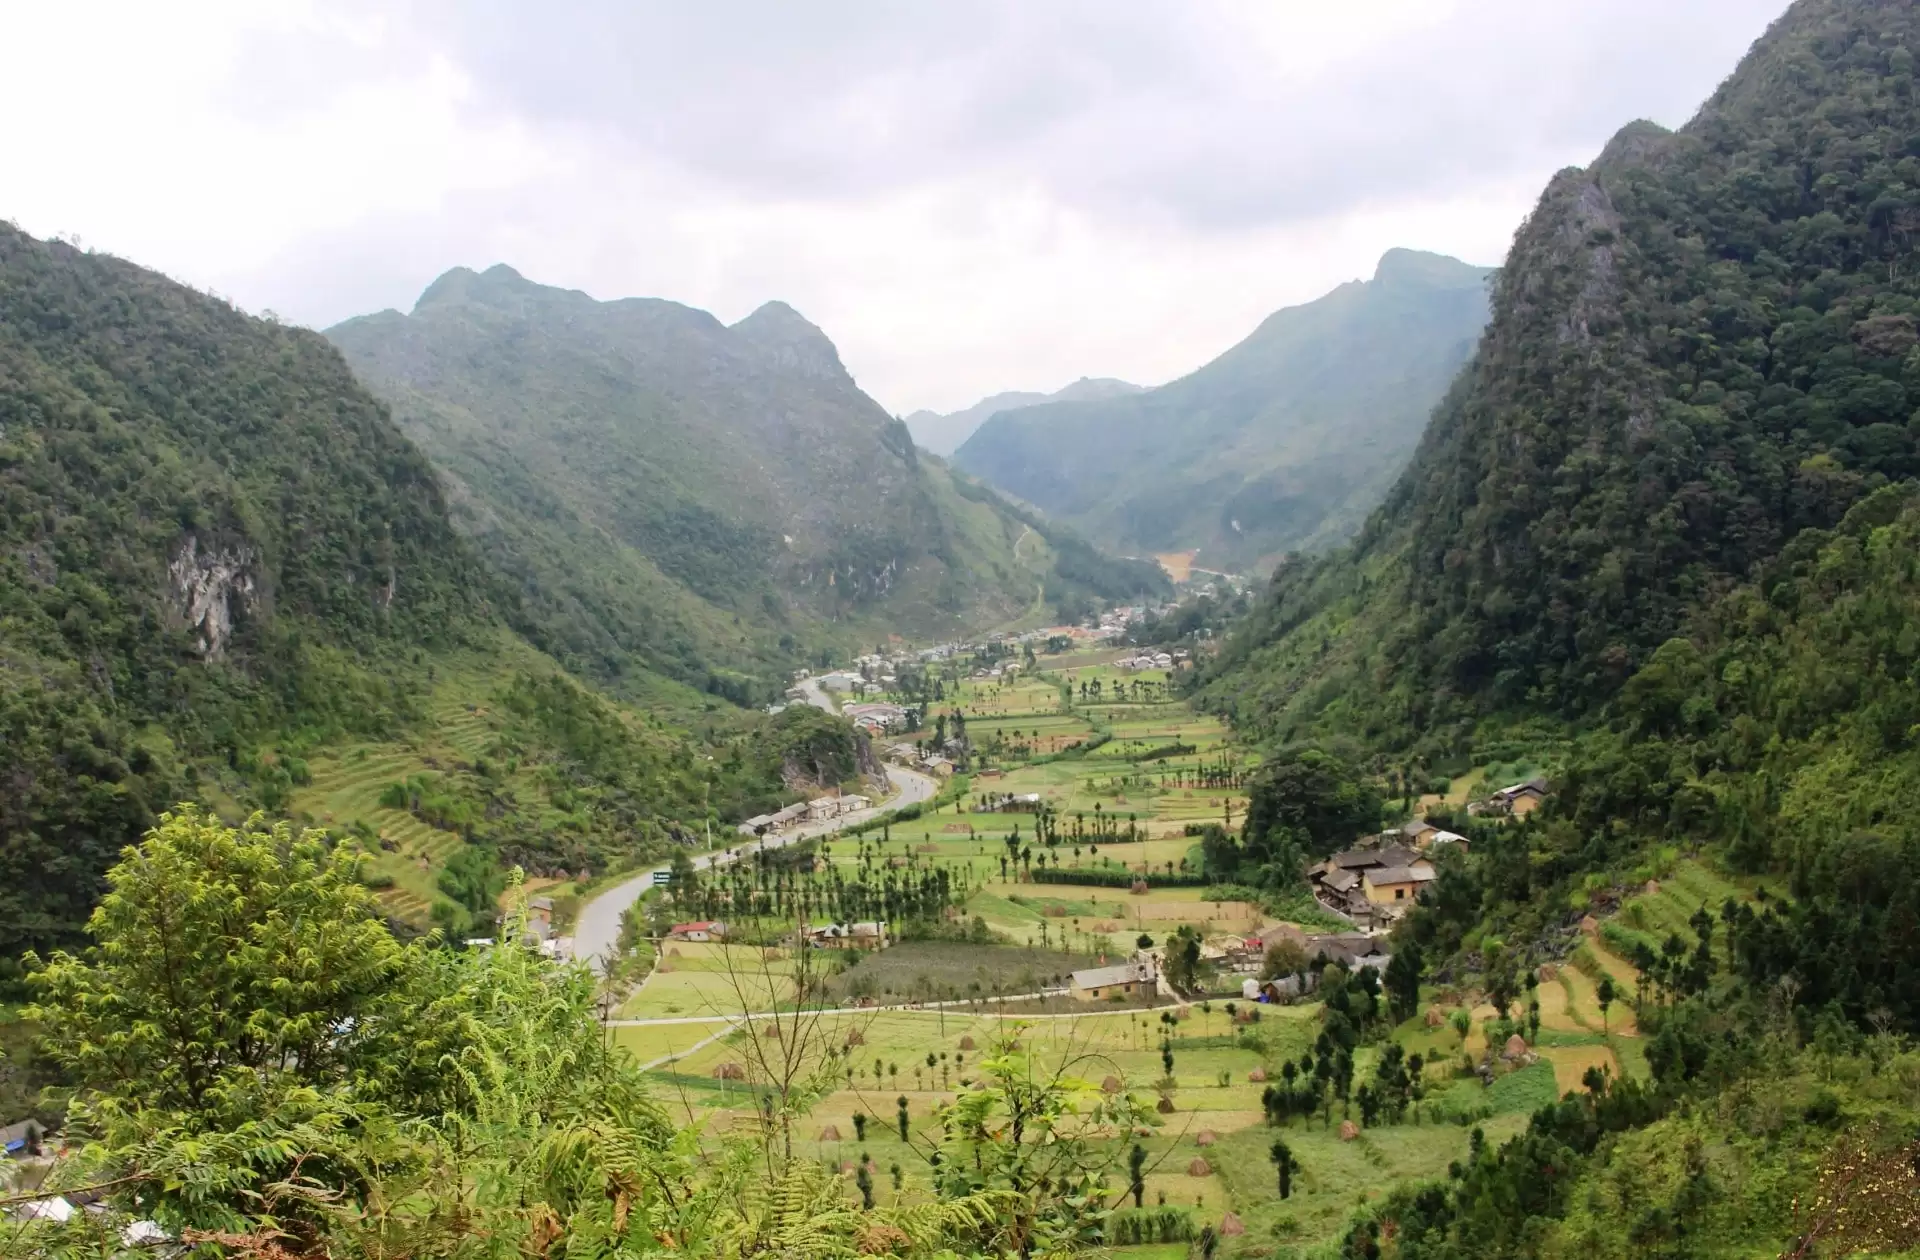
<point x="1199" y="1168"/>
<point x="1206" y="1137"/>
<point x="729" y="1072"/>
<point x="1257" y="1076"/>
<point x="1349" y="1130"/>
<point x="1112" y="1085"/>
<point x="829" y="1134"/>
<point x="1231" y="1225"/>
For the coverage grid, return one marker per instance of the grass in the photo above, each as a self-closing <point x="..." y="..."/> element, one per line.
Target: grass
<point x="918" y="969"/>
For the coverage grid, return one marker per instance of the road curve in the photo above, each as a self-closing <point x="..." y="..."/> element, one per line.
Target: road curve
<point x="597" y="930"/>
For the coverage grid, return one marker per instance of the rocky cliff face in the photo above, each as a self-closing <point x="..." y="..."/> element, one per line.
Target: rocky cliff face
<point x="210" y="590"/>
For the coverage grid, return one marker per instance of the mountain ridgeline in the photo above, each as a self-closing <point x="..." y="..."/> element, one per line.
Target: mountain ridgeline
<point x="1284" y="442"/>
<point x="676" y="495"/>
<point x="943" y="434"/>
<point x="1702" y="345"/>
<point x="227" y="577"/>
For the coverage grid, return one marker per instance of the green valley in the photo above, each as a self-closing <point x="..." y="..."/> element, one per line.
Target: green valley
<point x="538" y="778"/>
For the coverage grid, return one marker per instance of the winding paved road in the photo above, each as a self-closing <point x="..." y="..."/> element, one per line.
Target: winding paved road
<point x="598" y="928"/>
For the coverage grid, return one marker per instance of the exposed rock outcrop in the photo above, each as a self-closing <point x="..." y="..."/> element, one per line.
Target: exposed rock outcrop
<point x="210" y="588"/>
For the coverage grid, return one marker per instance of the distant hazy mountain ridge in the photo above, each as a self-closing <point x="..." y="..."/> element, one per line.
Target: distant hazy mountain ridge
<point x="943" y="434"/>
<point x="1285" y="441"/>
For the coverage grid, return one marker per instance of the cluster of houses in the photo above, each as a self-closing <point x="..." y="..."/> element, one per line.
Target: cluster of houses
<point x="1152" y="660"/>
<point x="819" y="809"/>
<point x="1371" y="885"/>
<point x="1353" y="950"/>
<point x="867" y="935"/>
<point x="876" y="717"/>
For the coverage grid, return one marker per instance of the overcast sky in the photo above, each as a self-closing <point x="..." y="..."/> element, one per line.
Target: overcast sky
<point x="967" y="196"/>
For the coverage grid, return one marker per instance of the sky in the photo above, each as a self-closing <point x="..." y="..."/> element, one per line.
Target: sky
<point x="967" y="197"/>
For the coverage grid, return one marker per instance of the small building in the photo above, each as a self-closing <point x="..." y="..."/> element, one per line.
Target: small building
<point x="867" y="935"/>
<point x="938" y="767"/>
<point x="706" y="930"/>
<point x="823" y="807"/>
<point x="1522" y="799"/>
<point x="850" y="803"/>
<point x="758" y="825"/>
<point x="539" y="919"/>
<point x="1385" y="885"/>
<point x="1122" y="981"/>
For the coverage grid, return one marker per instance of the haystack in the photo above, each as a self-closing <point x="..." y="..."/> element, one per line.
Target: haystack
<point x="1589" y="926"/>
<point x="1435" y="1017"/>
<point x="1349" y="1130"/>
<point x="1653" y="886"/>
<point x="966" y="1043"/>
<point x="1206" y="1137"/>
<point x="1231" y="1225"/>
<point x="856" y="1038"/>
<point x="829" y="1134"/>
<point x="1164" y="1106"/>
<point x="1140" y="888"/>
<point x="1112" y="1085"/>
<point x="1547" y="972"/>
<point x="1516" y="1047"/>
<point x="1257" y="1076"/>
<point x="729" y="1072"/>
<point x="1199" y="1168"/>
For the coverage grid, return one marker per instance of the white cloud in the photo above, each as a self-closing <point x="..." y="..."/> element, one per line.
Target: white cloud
<point x="967" y="198"/>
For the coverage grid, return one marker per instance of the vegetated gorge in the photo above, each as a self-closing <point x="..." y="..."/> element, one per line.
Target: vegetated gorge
<point x="1530" y="875"/>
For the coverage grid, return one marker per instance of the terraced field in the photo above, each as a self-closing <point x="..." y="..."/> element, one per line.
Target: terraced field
<point x="348" y="780"/>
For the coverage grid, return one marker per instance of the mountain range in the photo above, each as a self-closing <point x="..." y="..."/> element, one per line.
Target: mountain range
<point x="943" y="434"/>
<point x="676" y="495"/>
<point x="1284" y="442"/>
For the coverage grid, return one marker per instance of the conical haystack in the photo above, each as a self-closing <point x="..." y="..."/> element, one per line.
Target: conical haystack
<point x="1199" y="1168"/>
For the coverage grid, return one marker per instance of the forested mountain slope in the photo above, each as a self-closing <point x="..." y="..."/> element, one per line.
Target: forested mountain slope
<point x="1700" y="345"/>
<point x="943" y="433"/>
<point x="674" y="494"/>
<point x="1285" y="441"/>
<point x="223" y="569"/>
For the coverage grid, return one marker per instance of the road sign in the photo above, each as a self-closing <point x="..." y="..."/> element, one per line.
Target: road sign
<point x="662" y="877"/>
